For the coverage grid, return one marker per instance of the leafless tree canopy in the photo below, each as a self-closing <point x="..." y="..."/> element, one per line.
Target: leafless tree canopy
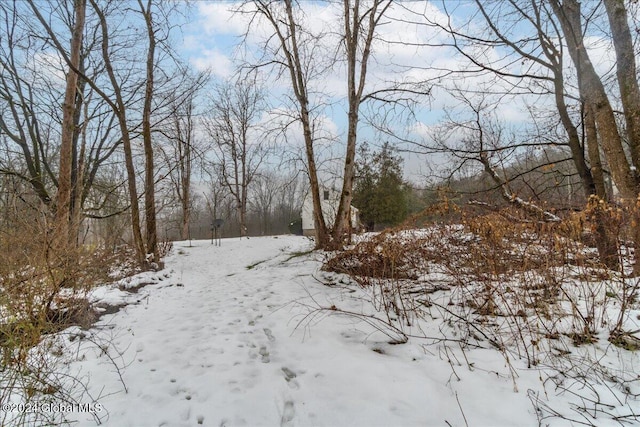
<point x="533" y="101"/>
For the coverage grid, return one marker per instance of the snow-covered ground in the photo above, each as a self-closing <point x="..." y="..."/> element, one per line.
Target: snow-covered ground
<point x="229" y="336"/>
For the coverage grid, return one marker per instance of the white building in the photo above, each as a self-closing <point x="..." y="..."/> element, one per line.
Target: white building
<point x="330" y="200"/>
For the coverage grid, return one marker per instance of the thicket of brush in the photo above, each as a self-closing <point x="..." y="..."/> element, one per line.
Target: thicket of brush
<point x="535" y="291"/>
<point x="43" y="291"/>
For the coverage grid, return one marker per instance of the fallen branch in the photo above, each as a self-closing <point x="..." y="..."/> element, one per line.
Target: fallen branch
<point x="512" y="198"/>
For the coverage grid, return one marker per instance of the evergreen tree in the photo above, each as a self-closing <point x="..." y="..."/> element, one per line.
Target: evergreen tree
<point x="364" y="186"/>
<point x="380" y="192"/>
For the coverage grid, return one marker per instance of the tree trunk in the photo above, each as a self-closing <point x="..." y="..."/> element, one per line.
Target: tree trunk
<point x="599" y="120"/>
<point x="242" y="217"/>
<point x="592" y="179"/>
<point x="149" y="190"/>
<point x="185" y="228"/>
<point x="596" y="98"/>
<point x="65" y="184"/>
<point x="298" y="80"/>
<point x="626" y="72"/>
<point x="120" y="110"/>
<point x="606" y="239"/>
<point x="357" y="40"/>
<point x="244" y="185"/>
<point x="133" y="192"/>
<point x="185" y="180"/>
<point x="630" y="96"/>
<point x="352" y="26"/>
<point x="577" y="151"/>
<point x="78" y="178"/>
<point x="593" y="150"/>
<point x="323" y="238"/>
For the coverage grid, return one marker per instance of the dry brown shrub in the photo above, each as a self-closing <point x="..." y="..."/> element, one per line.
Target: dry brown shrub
<point x="502" y="263"/>
<point x="532" y="290"/>
<point x="382" y="256"/>
<point x="495" y="244"/>
<point x="42" y="291"/>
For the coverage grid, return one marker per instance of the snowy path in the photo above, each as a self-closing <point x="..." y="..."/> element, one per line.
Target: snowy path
<point x="215" y="343"/>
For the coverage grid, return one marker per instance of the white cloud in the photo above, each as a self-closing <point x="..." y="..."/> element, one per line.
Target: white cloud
<point x="219" y="18"/>
<point x="326" y="131"/>
<point x="406" y="50"/>
<point x="215" y="61"/>
<point x="49" y="66"/>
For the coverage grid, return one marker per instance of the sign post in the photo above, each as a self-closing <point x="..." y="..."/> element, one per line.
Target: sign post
<point x="215" y="233"/>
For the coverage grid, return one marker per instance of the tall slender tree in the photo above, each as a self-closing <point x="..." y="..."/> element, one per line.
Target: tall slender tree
<point x="626" y="72"/>
<point x="120" y="108"/>
<point x="149" y="169"/>
<point x="296" y="51"/>
<point x="238" y="139"/>
<point x="69" y="132"/>
<point x="595" y="96"/>
<point x="361" y="20"/>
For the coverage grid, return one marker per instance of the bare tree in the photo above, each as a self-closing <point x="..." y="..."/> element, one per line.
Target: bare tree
<point x="182" y="149"/>
<point x="184" y="140"/>
<point x="537" y="46"/>
<point x="120" y="108"/>
<point x="149" y="170"/>
<point x="18" y="119"/>
<point x="480" y="138"/>
<point x="601" y="122"/>
<point x="262" y="203"/>
<point x="595" y="96"/>
<point x="238" y="140"/>
<point x="63" y="199"/>
<point x="31" y="117"/>
<point x="360" y="22"/>
<point x="123" y="91"/>
<point x="530" y="62"/>
<point x="296" y="52"/>
<point x="289" y="198"/>
<point x="548" y="53"/>
<point x="626" y="73"/>
<point x="30" y="113"/>
<point x="218" y="200"/>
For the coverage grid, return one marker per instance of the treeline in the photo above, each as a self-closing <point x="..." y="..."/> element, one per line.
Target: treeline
<point x="95" y="145"/>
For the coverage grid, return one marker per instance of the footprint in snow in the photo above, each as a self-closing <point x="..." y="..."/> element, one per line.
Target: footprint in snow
<point x="265" y="297"/>
<point x="288" y="374"/>
<point x="264" y="353"/>
<point x="287" y="414"/>
<point x="253" y="322"/>
<point x="289" y="377"/>
<point x="185" y="414"/>
<point x="269" y="334"/>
